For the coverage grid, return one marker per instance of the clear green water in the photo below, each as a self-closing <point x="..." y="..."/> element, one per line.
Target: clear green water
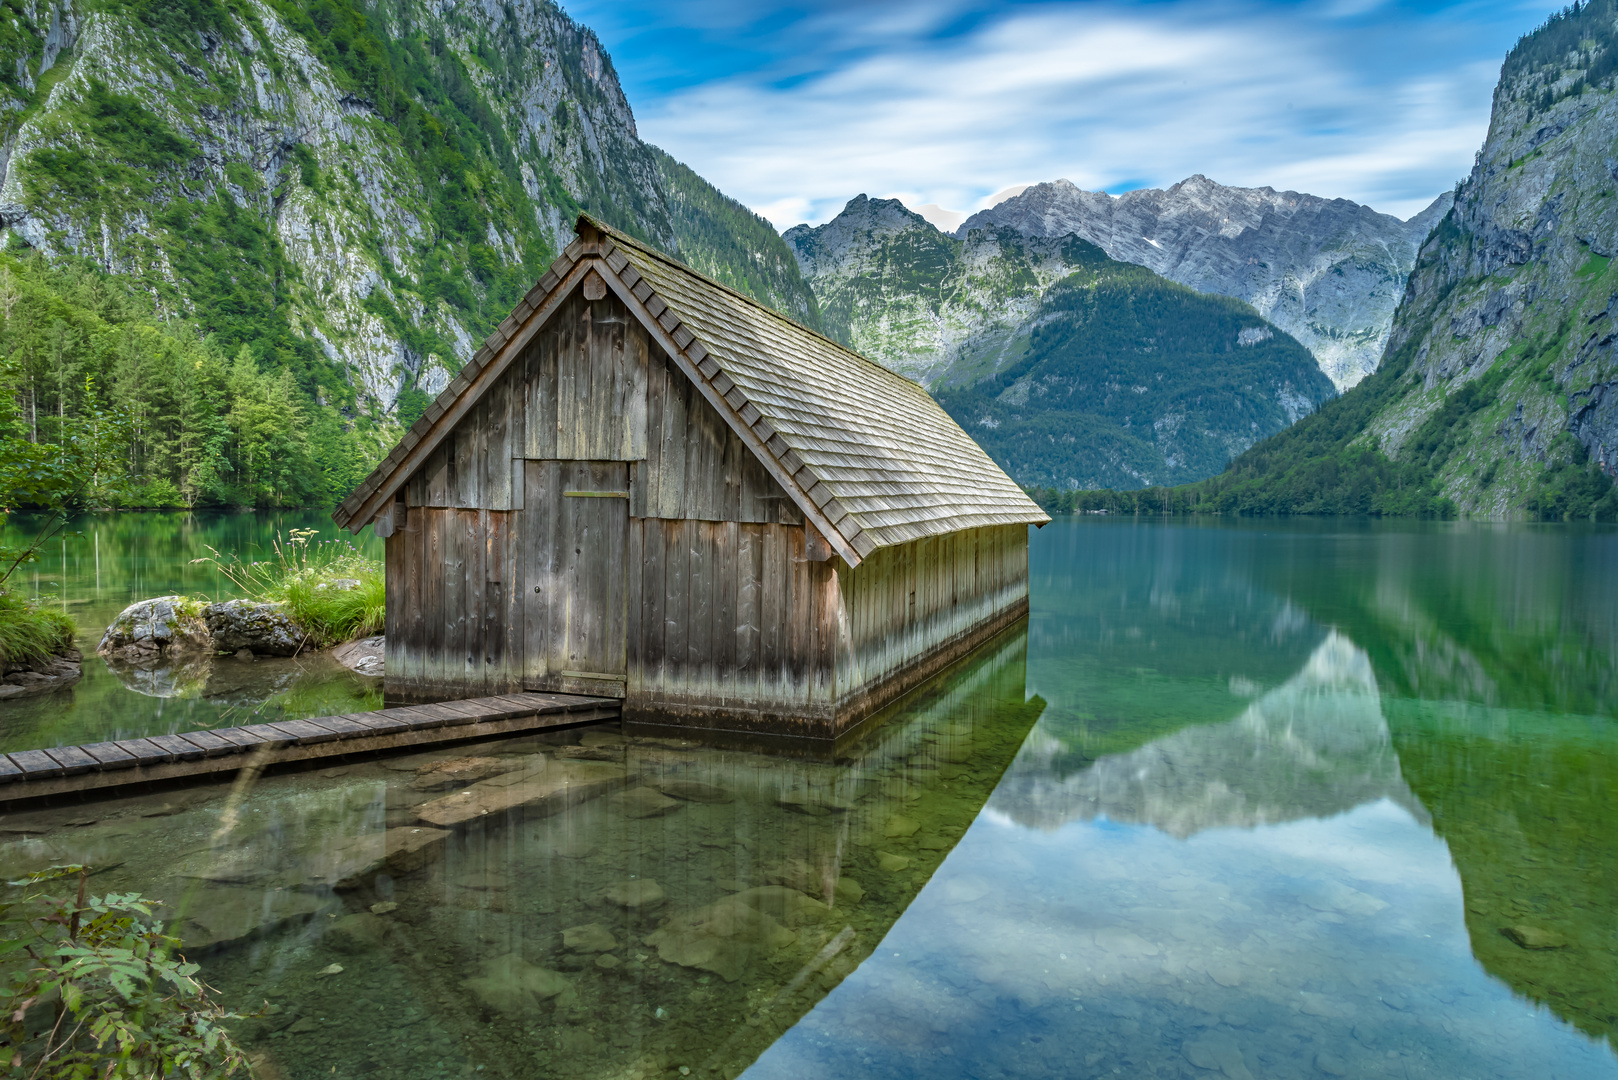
<point x="112" y="560"/>
<point x="1262" y="801"/>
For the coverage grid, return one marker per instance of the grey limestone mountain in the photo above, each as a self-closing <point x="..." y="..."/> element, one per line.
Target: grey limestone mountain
<point x="1327" y="271"/>
<point x="1505" y="344"/>
<point x="927" y="305"/>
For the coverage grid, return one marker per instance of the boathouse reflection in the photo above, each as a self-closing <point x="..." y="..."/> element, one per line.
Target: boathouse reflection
<point x="579" y="903"/>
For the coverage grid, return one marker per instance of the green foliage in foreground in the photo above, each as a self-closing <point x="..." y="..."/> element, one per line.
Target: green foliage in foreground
<point x="1320" y="466"/>
<point x="329" y="588"/>
<point x="1130" y="378"/>
<point x="83" y="353"/>
<point x="92" y="987"/>
<point x="31" y="631"/>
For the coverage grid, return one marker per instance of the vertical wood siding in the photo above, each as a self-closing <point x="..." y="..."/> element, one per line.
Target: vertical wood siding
<point x="907" y="601"/>
<point x="726" y="618"/>
<point x="696" y="466"/>
<point x="448" y="625"/>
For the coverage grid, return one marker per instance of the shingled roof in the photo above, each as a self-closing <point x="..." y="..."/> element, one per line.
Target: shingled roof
<point x="868" y="455"/>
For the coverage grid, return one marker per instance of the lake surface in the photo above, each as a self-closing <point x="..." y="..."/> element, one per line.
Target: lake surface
<point x="1240" y="800"/>
<point x="107" y="562"/>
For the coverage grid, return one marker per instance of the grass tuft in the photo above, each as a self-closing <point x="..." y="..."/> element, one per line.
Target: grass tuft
<point x="29" y="631"/>
<point x="330" y="589"/>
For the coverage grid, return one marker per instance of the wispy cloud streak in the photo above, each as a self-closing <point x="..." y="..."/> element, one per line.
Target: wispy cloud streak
<point x="795" y="111"/>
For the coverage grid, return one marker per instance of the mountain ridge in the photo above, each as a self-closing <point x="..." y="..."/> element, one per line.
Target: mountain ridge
<point x="1328" y="271"/>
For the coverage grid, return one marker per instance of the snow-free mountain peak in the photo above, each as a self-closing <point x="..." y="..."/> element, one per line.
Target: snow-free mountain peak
<point x="1328" y="271"/>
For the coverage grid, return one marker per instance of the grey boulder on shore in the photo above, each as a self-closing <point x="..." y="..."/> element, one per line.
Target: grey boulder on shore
<point x="154" y="631"/>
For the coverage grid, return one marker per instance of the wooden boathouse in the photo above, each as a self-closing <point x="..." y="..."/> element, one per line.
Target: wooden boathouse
<point x="646" y="486"/>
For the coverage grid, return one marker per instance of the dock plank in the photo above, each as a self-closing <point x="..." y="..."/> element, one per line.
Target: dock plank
<point x="269" y="735"/>
<point x="36" y="763"/>
<point x="381" y="722"/>
<point x="211" y="744"/>
<point x="304" y="733"/>
<point x="145" y="751"/>
<point x="72" y="759"/>
<point x="342" y="726"/>
<point x="109" y="755"/>
<point x="180" y="748"/>
<point x="121" y="762"/>
<point x="243" y="738"/>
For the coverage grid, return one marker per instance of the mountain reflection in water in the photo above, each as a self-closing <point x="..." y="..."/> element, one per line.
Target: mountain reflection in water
<point x="1302" y="797"/>
<point x="1313" y="747"/>
<point x="1259" y="898"/>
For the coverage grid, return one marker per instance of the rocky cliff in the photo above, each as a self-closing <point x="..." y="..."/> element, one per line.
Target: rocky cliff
<point x="1505" y="344"/>
<point x="938" y="309"/>
<point x="1327" y="271"/>
<point x="1497" y="395"/>
<point x="368" y="187"/>
<point x="1127" y="380"/>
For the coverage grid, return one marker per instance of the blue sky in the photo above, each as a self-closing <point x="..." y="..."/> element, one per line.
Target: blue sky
<point x="794" y="108"/>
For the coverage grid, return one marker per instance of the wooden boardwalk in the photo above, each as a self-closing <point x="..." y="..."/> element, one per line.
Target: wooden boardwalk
<point x="29" y="774"/>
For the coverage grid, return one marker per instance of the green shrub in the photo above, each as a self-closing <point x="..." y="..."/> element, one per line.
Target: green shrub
<point x="30" y="631"/>
<point x="92" y="987"/>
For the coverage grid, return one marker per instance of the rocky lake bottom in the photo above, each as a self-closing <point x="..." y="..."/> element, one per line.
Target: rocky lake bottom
<point x="1235" y="802"/>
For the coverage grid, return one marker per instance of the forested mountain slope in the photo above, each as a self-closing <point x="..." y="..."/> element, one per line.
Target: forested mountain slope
<point x="353" y="192"/>
<point x="1327" y="271"/>
<point x="1130" y="380"/>
<point x="718" y="236"/>
<point x="1498" y="395"/>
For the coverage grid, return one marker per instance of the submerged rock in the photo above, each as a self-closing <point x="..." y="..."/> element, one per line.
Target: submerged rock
<point x="56" y="672"/>
<point x="221" y="915"/>
<point x="644" y="802"/>
<point x="589" y="938"/>
<point x="636" y="895"/>
<point x="694" y="791"/>
<point x="355" y="863"/>
<point x="1535" y="937"/>
<point x="899" y="827"/>
<point x="724" y="937"/>
<point x="512" y="985"/>
<point x="363" y="657"/>
<point x="540" y="789"/>
<point x="458" y="772"/>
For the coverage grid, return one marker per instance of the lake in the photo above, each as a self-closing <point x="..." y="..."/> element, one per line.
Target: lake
<point x="106" y="562"/>
<point x="1240" y="799"/>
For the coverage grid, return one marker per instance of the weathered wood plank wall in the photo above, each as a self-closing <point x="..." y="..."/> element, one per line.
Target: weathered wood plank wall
<point x="727" y="621"/>
<point x="678" y="573"/>
<point x="451" y="629"/>
<point x="696" y="466"/>
<point x="910" y="601"/>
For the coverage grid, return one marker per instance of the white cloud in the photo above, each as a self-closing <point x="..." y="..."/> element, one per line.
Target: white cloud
<point x="1105" y="97"/>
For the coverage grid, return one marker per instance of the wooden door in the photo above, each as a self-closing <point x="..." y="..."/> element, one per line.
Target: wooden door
<point x="575" y="550"/>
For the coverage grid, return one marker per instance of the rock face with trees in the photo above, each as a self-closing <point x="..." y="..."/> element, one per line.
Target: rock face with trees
<point x="1327" y="271"/>
<point x="1073" y="369"/>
